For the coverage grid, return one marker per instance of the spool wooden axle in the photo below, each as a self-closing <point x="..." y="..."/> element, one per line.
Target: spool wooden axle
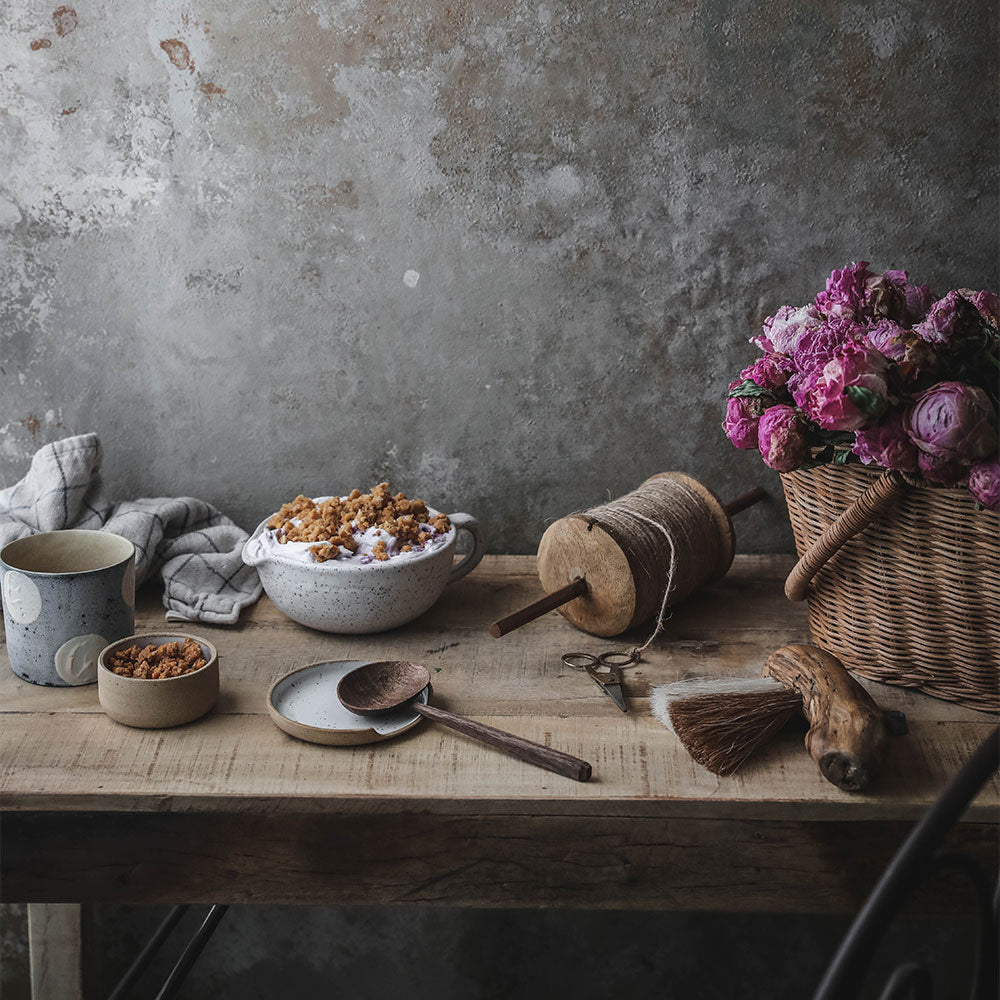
<point x="578" y="586"/>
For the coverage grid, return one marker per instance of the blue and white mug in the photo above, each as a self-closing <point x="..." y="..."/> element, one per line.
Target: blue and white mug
<point x="66" y="595"/>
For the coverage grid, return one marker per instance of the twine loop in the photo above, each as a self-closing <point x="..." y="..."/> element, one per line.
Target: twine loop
<point x="669" y="532"/>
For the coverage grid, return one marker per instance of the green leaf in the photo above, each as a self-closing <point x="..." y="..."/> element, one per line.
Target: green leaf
<point x="841" y="457"/>
<point x="747" y="388"/>
<point x="866" y="400"/>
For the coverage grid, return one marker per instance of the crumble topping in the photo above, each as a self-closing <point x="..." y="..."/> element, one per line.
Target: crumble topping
<point x="155" y="662"/>
<point x="335" y="523"/>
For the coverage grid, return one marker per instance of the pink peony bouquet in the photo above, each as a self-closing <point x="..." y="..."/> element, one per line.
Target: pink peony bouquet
<point x="880" y="371"/>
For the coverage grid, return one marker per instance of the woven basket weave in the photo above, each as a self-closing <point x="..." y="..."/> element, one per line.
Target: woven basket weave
<point x="905" y="584"/>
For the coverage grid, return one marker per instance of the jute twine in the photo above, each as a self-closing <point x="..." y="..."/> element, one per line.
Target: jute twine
<point x="670" y="535"/>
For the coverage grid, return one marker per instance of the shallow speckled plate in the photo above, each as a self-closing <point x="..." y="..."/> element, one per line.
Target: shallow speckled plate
<point x="305" y="705"/>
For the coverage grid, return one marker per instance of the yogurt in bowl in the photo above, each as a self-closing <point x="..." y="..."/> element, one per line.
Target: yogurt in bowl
<point x="361" y="563"/>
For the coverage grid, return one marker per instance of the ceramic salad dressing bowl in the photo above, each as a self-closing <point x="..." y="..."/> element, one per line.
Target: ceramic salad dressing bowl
<point x="357" y="598"/>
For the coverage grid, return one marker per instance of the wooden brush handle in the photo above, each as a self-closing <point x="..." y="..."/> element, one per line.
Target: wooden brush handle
<point x="575" y="588"/>
<point x="516" y="746"/>
<point x="848" y="733"/>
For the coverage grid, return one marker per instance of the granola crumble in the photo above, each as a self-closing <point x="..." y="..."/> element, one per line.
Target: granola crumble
<point x="172" y="659"/>
<point x="332" y="523"/>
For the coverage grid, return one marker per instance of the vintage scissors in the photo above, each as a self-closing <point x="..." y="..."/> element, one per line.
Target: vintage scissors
<point x="605" y="670"/>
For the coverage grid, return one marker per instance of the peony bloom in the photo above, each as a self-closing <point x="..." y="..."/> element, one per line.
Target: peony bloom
<point x="741" y="422"/>
<point x="781" y="436"/>
<point x="954" y="422"/>
<point x="882" y="299"/>
<point x="783" y="329"/>
<point x="984" y="483"/>
<point x="845" y="292"/>
<point x="818" y="345"/>
<point x="987" y="305"/>
<point x="946" y="319"/>
<point x="889" y="339"/>
<point x="887" y="444"/>
<point x="769" y="372"/>
<point x="823" y="396"/>
<point x="939" y="470"/>
<point x="918" y="298"/>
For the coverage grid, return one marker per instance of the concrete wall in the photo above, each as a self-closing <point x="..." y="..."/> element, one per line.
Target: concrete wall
<point x="506" y="254"/>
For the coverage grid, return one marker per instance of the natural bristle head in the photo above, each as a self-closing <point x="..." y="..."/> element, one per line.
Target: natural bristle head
<point x="722" y="729"/>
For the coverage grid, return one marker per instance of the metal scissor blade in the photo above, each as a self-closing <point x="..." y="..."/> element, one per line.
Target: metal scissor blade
<point x="615" y="693"/>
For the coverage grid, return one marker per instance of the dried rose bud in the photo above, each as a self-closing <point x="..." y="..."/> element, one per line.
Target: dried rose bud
<point x="954" y="422"/>
<point x="782" y="439"/>
<point x="984" y="483"/>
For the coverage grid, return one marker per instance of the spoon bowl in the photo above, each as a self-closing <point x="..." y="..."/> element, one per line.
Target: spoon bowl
<point x="383" y="685"/>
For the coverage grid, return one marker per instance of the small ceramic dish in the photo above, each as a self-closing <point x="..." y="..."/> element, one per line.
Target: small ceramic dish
<point x="158" y="704"/>
<point x="304" y="703"/>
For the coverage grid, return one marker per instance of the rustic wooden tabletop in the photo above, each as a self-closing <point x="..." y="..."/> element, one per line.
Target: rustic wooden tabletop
<point x="230" y="809"/>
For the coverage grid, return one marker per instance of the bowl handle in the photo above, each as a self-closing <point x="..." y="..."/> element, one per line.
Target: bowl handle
<point x="868" y="507"/>
<point x="466" y="522"/>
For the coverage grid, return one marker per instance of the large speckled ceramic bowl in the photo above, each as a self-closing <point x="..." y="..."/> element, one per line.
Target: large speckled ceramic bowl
<point x="357" y="599"/>
<point x="66" y="595"/>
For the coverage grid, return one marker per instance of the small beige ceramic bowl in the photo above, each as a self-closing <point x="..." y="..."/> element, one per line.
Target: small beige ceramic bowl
<point x="158" y="704"/>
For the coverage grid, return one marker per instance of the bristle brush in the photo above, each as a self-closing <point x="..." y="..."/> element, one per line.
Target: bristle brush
<point x="722" y="721"/>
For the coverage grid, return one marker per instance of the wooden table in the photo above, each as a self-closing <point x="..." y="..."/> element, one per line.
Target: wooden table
<point x="230" y="809"/>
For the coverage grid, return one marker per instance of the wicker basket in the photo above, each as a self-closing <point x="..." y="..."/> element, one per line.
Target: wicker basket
<point x="903" y="581"/>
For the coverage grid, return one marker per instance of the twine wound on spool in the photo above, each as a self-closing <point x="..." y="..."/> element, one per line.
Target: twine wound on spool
<point x="668" y="529"/>
<point x="617" y="565"/>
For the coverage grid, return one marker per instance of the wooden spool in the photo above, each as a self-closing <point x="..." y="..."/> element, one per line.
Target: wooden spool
<point x="575" y="547"/>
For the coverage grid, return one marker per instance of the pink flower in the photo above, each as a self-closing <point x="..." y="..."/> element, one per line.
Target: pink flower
<point x="918" y="298"/>
<point x="954" y="422"/>
<point x="946" y="319"/>
<point x="984" y="483"/>
<point x="939" y="470"/>
<point x="741" y="422"/>
<point x="986" y="303"/>
<point x="845" y="291"/>
<point x="783" y="329"/>
<point x="818" y="345"/>
<point x="887" y="444"/>
<point x="782" y="439"/>
<point x="768" y="372"/>
<point x="889" y="339"/>
<point x="824" y="398"/>
<point x="882" y="299"/>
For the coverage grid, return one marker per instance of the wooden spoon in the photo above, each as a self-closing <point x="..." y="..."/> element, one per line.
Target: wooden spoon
<point x="387" y="684"/>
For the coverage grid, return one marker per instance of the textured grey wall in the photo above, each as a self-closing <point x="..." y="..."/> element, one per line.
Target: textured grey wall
<point x="214" y="217"/>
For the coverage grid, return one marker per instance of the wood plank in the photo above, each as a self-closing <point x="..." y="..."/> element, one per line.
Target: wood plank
<point x="55" y="951"/>
<point x="414" y="857"/>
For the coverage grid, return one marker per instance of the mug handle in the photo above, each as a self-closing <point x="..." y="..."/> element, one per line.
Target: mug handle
<point x="466" y="522"/>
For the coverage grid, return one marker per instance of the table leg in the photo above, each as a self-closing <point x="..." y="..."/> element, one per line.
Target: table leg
<point x="54" y="945"/>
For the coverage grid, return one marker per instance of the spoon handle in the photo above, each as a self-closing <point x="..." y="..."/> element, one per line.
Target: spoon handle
<point x="516" y="746"/>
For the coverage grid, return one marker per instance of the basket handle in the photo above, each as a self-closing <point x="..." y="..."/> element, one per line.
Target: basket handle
<point x="868" y="507"/>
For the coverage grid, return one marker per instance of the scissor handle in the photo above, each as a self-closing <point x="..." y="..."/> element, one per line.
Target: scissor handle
<point x="611" y="661"/>
<point x="618" y="659"/>
<point x="580" y="661"/>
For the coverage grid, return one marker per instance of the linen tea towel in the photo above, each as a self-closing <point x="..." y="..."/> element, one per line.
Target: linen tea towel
<point x="193" y="547"/>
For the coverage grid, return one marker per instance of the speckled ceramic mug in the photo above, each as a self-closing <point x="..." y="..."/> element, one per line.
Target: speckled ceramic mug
<point x="372" y="597"/>
<point x="66" y="595"/>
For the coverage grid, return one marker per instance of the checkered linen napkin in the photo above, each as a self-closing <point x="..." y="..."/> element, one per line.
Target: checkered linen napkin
<point x="193" y="547"/>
